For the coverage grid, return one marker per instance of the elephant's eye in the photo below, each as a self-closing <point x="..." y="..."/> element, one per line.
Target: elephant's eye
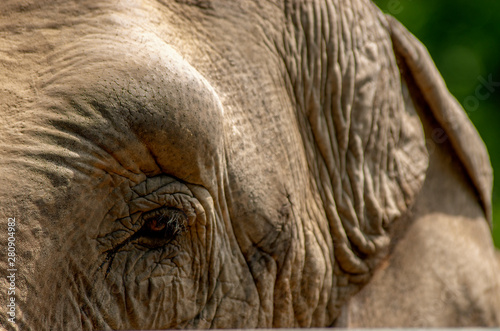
<point x="161" y="226"/>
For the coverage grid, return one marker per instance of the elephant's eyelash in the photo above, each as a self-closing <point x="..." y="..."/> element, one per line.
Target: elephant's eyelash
<point x="164" y="222"/>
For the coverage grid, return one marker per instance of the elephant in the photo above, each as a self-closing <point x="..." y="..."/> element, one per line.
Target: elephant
<point x="235" y="164"/>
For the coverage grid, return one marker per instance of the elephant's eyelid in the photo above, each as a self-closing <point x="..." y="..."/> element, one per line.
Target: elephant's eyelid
<point x="174" y="222"/>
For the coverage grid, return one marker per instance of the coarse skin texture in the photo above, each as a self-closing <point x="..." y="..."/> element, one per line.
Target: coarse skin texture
<point x="236" y="164"/>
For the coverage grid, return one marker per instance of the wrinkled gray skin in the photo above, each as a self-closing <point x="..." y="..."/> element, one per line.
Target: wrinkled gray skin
<point x="196" y="164"/>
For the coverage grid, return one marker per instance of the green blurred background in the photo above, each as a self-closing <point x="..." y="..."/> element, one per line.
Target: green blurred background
<point x="463" y="38"/>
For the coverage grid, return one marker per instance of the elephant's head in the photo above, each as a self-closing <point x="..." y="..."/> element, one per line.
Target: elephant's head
<point x="196" y="164"/>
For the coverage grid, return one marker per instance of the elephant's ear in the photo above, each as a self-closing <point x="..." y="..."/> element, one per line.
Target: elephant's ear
<point x="421" y="73"/>
<point x="364" y="144"/>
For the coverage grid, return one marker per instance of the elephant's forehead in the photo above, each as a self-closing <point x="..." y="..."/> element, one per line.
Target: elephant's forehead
<point x="136" y="83"/>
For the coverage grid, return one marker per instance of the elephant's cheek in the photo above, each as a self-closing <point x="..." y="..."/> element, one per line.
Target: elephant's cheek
<point x="157" y="289"/>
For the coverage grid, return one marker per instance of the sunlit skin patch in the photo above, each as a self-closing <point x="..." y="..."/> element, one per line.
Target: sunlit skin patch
<point x="163" y="119"/>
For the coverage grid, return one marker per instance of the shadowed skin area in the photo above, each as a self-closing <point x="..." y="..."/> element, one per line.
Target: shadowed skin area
<point x="235" y="164"/>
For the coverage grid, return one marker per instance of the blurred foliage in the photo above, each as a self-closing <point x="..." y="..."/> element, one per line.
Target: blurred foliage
<point x="463" y="38"/>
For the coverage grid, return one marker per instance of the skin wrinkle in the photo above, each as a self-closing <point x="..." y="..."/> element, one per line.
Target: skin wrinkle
<point x="299" y="301"/>
<point x="320" y="284"/>
<point x="127" y="174"/>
